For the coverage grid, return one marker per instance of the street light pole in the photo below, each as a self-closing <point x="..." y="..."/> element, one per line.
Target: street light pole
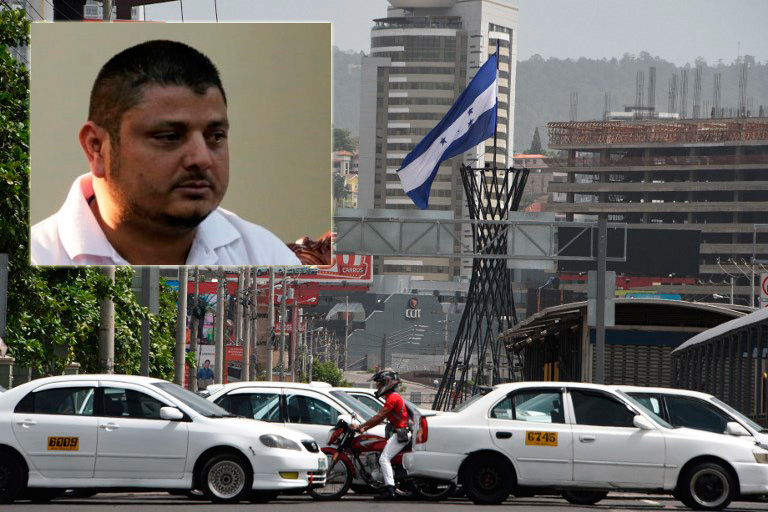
<point x="271" y="327"/>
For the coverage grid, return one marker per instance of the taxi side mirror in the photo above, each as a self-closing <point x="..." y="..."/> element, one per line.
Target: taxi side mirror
<point x="171" y="414"/>
<point x="736" y="429"/>
<point x="642" y="423"/>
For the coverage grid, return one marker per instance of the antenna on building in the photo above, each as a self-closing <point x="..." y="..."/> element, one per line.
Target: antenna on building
<point x="574" y="106"/>
<point x="639" y="94"/>
<point x="697" y="92"/>
<point x="743" y="90"/>
<point x="716" y="97"/>
<point x="606" y="106"/>
<point x="652" y="89"/>
<point x="684" y="94"/>
<point x="672" y="106"/>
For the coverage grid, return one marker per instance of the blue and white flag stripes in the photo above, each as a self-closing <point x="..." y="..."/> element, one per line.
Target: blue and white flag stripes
<point x="470" y="121"/>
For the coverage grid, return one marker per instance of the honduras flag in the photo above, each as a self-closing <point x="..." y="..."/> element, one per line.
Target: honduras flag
<point x="470" y="121"/>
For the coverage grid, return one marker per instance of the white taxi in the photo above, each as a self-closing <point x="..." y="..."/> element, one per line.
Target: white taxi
<point x="584" y="440"/>
<point x="313" y="409"/>
<point x="119" y="431"/>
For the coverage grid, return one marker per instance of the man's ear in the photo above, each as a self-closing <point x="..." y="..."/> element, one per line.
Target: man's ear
<point x="96" y="144"/>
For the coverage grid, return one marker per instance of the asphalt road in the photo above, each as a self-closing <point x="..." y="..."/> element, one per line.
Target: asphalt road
<point x="147" y="502"/>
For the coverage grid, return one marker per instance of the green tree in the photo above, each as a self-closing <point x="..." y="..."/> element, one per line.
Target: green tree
<point x="328" y="372"/>
<point x="536" y="148"/>
<point x="342" y="140"/>
<point x="53" y="312"/>
<point x="340" y="191"/>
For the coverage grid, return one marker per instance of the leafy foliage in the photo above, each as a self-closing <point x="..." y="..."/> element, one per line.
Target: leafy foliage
<point x="343" y="141"/>
<point x="53" y="313"/>
<point x="328" y="372"/>
<point x="536" y="148"/>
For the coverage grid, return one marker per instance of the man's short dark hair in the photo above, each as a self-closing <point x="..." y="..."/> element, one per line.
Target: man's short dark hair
<point x="119" y="84"/>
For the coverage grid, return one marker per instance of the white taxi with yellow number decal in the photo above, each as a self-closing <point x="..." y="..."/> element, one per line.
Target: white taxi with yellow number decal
<point x="582" y="440"/>
<point x="120" y="431"/>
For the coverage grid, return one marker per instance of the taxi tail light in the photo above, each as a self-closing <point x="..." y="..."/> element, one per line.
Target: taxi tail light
<point x="423" y="434"/>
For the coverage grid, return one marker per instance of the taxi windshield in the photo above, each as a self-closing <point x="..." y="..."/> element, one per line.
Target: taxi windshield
<point x="198" y="404"/>
<point x="658" y="419"/>
<point x="754" y="426"/>
<point x="354" y="404"/>
<point x="463" y="405"/>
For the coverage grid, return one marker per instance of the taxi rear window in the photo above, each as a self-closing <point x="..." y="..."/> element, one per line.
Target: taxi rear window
<point x="77" y="401"/>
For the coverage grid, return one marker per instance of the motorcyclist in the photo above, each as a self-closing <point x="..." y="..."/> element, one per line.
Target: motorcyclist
<point x="395" y="412"/>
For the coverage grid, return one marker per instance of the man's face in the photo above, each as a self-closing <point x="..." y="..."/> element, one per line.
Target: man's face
<point x="207" y="364"/>
<point x="170" y="167"/>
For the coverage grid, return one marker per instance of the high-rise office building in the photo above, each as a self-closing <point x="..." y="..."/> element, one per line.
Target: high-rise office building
<point x="423" y="54"/>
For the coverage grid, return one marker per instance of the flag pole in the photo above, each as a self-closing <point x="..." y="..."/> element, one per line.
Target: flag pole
<point x="496" y="127"/>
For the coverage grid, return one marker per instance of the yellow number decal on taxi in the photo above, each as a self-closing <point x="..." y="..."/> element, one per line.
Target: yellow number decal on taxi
<point x="69" y="444"/>
<point x="536" y="438"/>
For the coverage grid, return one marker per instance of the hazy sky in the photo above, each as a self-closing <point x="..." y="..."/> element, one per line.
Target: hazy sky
<point x="676" y="30"/>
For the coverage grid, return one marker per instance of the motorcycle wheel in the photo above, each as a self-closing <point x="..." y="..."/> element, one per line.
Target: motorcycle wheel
<point x="337" y="481"/>
<point x="432" y="490"/>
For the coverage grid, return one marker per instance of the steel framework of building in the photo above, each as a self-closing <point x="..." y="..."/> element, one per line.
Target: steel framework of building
<point x="664" y="132"/>
<point x="490" y="309"/>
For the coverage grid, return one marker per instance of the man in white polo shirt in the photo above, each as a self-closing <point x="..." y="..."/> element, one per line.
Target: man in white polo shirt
<point x="156" y="144"/>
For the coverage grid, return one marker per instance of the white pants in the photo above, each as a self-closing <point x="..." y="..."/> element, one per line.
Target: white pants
<point x="393" y="448"/>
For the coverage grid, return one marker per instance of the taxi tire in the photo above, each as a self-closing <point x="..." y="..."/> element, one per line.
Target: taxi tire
<point x="487" y="480"/>
<point x="12" y="472"/>
<point x="231" y="465"/>
<point x="716" y="475"/>
<point x="583" y="497"/>
<point x="262" y="496"/>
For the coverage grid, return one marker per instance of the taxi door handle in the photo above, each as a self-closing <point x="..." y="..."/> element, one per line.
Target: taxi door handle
<point x="503" y="435"/>
<point x="27" y="423"/>
<point x="587" y="439"/>
<point x="109" y="426"/>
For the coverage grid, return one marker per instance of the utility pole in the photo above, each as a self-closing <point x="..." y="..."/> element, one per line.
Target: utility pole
<point x="383" y="352"/>
<point x="106" y="10"/>
<point x="602" y="249"/>
<point x="221" y="297"/>
<point x="107" y="327"/>
<point x="271" y="327"/>
<point x="193" y="330"/>
<point x="283" y="314"/>
<point x="245" y="366"/>
<point x="181" y="327"/>
<point x="346" y="331"/>
<point x="240" y="306"/>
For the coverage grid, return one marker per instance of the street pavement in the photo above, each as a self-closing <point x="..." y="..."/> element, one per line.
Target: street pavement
<point x="156" y="501"/>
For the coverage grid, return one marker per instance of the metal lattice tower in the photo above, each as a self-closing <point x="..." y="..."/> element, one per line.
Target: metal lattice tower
<point x="491" y="193"/>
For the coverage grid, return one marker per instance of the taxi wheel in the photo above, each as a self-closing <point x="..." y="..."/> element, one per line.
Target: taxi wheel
<point x="487" y="480"/>
<point x="706" y="486"/>
<point x="584" y="497"/>
<point x="13" y="479"/>
<point x="262" y="496"/>
<point x="226" y="478"/>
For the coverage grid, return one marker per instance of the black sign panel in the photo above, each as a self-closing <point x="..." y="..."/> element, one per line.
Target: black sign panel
<point x="650" y="252"/>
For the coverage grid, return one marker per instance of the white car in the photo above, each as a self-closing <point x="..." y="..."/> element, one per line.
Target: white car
<point x="368" y="397"/>
<point x="309" y="408"/>
<point x="584" y="440"/>
<point x="694" y="409"/>
<point x="109" y="431"/>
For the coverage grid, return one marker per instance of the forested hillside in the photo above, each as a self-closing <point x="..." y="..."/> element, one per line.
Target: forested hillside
<point x="544" y="88"/>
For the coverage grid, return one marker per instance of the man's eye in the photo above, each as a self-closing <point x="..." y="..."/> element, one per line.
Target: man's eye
<point x="167" y="137"/>
<point x="218" y="136"/>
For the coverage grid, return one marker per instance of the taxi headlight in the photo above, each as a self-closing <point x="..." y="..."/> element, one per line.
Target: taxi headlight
<point x="761" y="456"/>
<point x="275" y="441"/>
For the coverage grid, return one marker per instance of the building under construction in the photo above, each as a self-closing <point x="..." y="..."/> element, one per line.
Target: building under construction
<point x="704" y="174"/>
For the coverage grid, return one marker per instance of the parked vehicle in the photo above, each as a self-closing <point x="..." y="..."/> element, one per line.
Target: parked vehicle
<point x="91" y="432"/>
<point x="354" y="457"/>
<point x="309" y="408"/>
<point x="368" y="397"/>
<point x="583" y="440"/>
<point x="693" y="409"/>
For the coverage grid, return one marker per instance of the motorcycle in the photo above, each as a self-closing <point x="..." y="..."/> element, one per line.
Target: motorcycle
<point x="353" y="462"/>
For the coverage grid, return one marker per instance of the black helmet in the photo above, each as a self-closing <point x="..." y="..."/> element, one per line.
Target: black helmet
<point x="386" y="381"/>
